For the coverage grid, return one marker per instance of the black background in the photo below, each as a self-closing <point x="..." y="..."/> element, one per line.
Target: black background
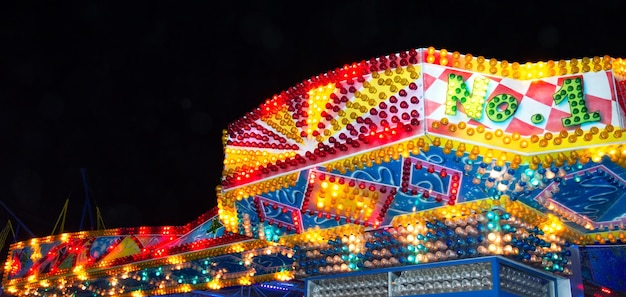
<point x="137" y="93"/>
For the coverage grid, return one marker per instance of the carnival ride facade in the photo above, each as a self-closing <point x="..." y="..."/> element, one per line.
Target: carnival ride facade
<point x="415" y="173"/>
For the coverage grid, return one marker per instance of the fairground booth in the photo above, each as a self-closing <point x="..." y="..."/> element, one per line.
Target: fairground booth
<point x="420" y="173"/>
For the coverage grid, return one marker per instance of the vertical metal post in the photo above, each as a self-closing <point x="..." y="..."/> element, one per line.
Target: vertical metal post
<point x="17" y="219"/>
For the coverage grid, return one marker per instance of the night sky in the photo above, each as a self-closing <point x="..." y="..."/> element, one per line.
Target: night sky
<point x="137" y="93"/>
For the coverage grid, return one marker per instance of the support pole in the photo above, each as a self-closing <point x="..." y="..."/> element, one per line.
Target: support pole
<point x="61" y="218"/>
<point x="17" y="219"/>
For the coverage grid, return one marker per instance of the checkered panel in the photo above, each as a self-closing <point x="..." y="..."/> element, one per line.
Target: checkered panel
<point x="534" y="97"/>
<point x="621" y="93"/>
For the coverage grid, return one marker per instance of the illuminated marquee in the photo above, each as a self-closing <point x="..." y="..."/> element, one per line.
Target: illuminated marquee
<point x="525" y="107"/>
<point x="503" y="106"/>
<point x="418" y="156"/>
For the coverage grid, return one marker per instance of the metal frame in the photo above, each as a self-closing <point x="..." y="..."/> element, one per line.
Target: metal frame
<point x="560" y="286"/>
